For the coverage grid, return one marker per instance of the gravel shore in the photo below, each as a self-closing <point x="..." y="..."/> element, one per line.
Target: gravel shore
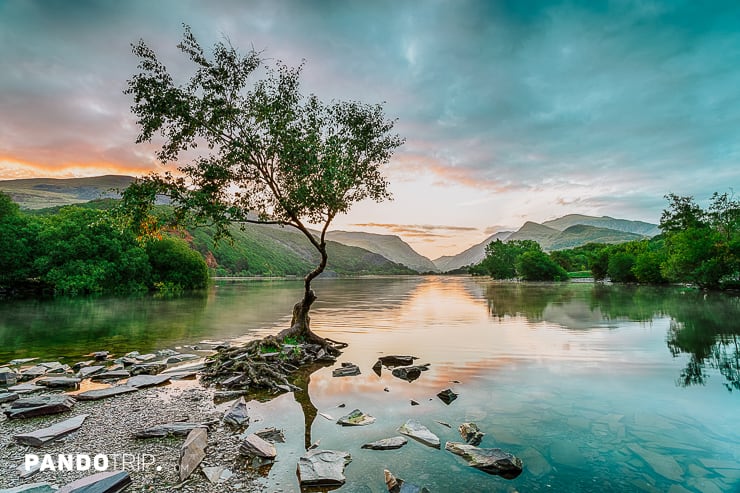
<point x="108" y="430"/>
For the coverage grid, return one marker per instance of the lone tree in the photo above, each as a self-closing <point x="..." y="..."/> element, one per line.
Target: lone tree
<point x="256" y="149"/>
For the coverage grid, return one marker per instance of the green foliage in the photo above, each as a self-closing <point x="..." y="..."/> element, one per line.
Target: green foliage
<point x="175" y="264"/>
<point x="18" y="243"/>
<point x="534" y="265"/>
<point x="501" y="257"/>
<point x="619" y="267"/>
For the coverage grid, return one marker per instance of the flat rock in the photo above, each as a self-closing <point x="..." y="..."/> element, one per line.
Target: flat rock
<point x="378" y="368"/>
<point x="447" y="396"/>
<point x="387" y="443"/>
<point x="111" y="375"/>
<point x="33" y="372"/>
<point x="59" y="382"/>
<point x="346" y="370"/>
<point x="664" y="465"/>
<point x="102" y="482"/>
<point x="271" y="435"/>
<point x="420" y="433"/>
<point x="189" y="367"/>
<point x="182" y="375"/>
<point x="179" y="358"/>
<point x="216" y="474"/>
<point x="255" y="446"/>
<point x="237" y="415"/>
<point x="192" y="452"/>
<point x="168" y="429"/>
<point x="148" y="369"/>
<point x="8" y="378"/>
<point x="97" y="394"/>
<point x="26" y="472"/>
<point x="409" y="373"/>
<point x="100" y="355"/>
<point x="470" y="433"/>
<point x="32" y="488"/>
<point x="8" y="397"/>
<point x="88" y="371"/>
<point x="144" y="381"/>
<point x="43" y="436"/>
<point x="323" y="468"/>
<point x="356" y="418"/>
<point x="26" y="388"/>
<point x="82" y="364"/>
<point x="21" y="361"/>
<point x="39" y="406"/>
<point x="146" y="357"/>
<point x="490" y="460"/>
<point x="397" y="360"/>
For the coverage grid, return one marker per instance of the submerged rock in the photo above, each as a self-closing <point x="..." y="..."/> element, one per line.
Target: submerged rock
<point x="168" y="429"/>
<point x="447" y="396"/>
<point x="490" y="460"/>
<point x="378" y="368"/>
<point x="96" y="394"/>
<point x="420" y="433"/>
<point x="470" y="433"/>
<point x="193" y="451"/>
<point x="39" y="406"/>
<point x="255" y="446"/>
<point x="237" y="415"/>
<point x="386" y="443"/>
<point x="271" y="435"/>
<point x="323" y="468"/>
<point x="398" y="485"/>
<point x="409" y="373"/>
<point x="102" y="482"/>
<point x="43" y="436"/>
<point x="356" y="418"/>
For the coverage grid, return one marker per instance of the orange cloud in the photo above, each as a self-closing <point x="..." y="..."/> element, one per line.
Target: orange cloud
<point x="407" y="167"/>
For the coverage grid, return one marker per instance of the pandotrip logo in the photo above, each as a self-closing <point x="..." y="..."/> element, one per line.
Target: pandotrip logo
<point x="86" y="462"/>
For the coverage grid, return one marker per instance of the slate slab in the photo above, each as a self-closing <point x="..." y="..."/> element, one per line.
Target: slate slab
<point x="323" y="468"/>
<point x="386" y="443"/>
<point x="392" y="360"/>
<point x="490" y="460"/>
<point x="420" y="433"/>
<point x="59" y="382"/>
<point x="8" y="397"/>
<point x="193" y="452"/>
<point x="31" y="488"/>
<point x="144" y="381"/>
<point x="168" y="429"/>
<point x="26" y="388"/>
<point x="356" y="418"/>
<point x="148" y="368"/>
<point x="97" y="394"/>
<point x="39" y="406"/>
<point x="102" y="482"/>
<point x="110" y="375"/>
<point x="237" y="415"/>
<point x="89" y="371"/>
<point x="56" y="431"/>
<point x="255" y="446"/>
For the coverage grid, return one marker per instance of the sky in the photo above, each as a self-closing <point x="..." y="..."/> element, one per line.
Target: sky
<point x="512" y="111"/>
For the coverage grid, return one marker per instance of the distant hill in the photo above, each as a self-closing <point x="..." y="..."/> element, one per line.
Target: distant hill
<point x="637" y="227"/>
<point x="535" y="231"/>
<point x="472" y="255"/>
<point x="581" y="234"/>
<point x="39" y="193"/>
<point x="390" y="246"/>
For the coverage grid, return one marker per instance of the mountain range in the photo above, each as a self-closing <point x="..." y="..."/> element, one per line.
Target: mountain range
<point x="280" y="251"/>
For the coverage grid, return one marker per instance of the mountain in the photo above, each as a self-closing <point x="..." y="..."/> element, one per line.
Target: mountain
<point x="472" y="255"/>
<point x="637" y="227"/>
<point x="535" y="231"/>
<point x="38" y="193"/>
<point x="390" y="246"/>
<point x="580" y="234"/>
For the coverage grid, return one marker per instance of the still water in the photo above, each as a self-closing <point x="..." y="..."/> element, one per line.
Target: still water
<point x="596" y="388"/>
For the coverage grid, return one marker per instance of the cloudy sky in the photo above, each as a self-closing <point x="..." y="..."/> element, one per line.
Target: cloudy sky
<point x="511" y="110"/>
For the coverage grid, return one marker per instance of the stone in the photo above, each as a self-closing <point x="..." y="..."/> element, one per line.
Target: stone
<point x="97" y="394"/>
<point x="409" y="373"/>
<point x="398" y="485"/>
<point x="193" y="451"/>
<point x="271" y="435"/>
<point x="216" y="474"/>
<point x="470" y="433"/>
<point x="82" y="364"/>
<point x="26" y="472"/>
<point x="148" y="369"/>
<point x="100" y="355"/>
<point x="323" y="468"/>
<point x="396" y="360"/>
<point x="228" y="395"/>
<point x="327" y="416"/>
<point x="31" y="488"/>
<point x="25" y="388"/>
<point x="356" y="418"/>
<point x="21" y="361"/>
<point x="144" y="381"/>
<point x="378" y="368"/>
<point x="163" y="353"/>
<point x="127" y="361"/>
<point x="179" y="358"/>
<point x="33" y="372"/>
<point x="8" y="378"/>
<point x="8" y="397"/>
<point x="110" y="375"/>
<point x="420" y="433"/>
<point x="59" y="382"/>
<point x="347" y="370"/>
<point x="182" y="375"/>
<point x="387" y="443"/>
<point x="414" y="403"/>
<point x="255" y="446"/>
<point x="169" y="429"/>
<point x="237" y="415"/>
<point x="146" y="357"/>
<point x="489" y="460"/>
<point x="56" y="368"/>
<point x="189" y="367"/>
<point x="89" y="371"/>
<point x="664" y="465"/>
<point x="56" y="431"/>
<point x="39" y="406"/>
<point x="447" y="396"/>
<point x="102" y="482"/>
<point x="234" y="380"/>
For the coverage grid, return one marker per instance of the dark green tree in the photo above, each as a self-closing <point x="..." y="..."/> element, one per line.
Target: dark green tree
<point x="536" y="265"/>
<point x="265" y="153"/>
<point x="501" y="257"/>
<point x="620" y="267"/>
<point x="175" y="265"/>
<point x="18" y="244"/>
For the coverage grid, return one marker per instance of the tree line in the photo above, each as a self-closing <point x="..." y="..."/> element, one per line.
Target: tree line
<point x="79" y="250"/>
<point x="698" y="246"/>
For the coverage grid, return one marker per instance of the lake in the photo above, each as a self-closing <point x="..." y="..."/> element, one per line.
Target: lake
<point x="596" y="387"/>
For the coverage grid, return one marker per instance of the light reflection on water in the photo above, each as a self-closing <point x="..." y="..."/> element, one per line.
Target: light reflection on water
<point x="595" y="387"/>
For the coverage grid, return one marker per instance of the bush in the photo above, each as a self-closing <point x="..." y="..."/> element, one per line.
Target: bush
<point x="538" y="266"/>
<point x="175" y="264"/>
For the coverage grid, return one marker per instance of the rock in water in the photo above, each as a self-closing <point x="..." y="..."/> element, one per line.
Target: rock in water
<point x="216" y="474"/>
<point x="148" y="368"/>
<point x="398" y="485"/>
<point x="378" y="368"/>
<point x="387" y="444"/>
<point x="254" y="446"/>
<point x="96" y="394"/>
<point x="396" y="360"/>
<point x="168" y="429"/>
<point x="323" y="468"/>
<point x="45" y="435"/>
<point x="420" y="433"/>
<point x="470" y="433"/>
<point x="447" y="396"/>
<point x="409" y="373"/>
<point x="347" y="370"/>
<point x="356" y="418"/>
<point x="103" y="482"/>
<point x="237" y="415"/>
<point x="490" y="460"/>
<point x="32" y="488"/>
<point x="144" y="381"/>
<point x="271" y="435"/>
<point x="193" y="451"/>
<point x="39" y="406"/>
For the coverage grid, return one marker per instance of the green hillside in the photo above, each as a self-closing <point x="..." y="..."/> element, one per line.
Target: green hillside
<point x="581" y="234"/>
<point x="637" y="227"/>
<point x="390" y="246"/>
<point x="40" y="193"/>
